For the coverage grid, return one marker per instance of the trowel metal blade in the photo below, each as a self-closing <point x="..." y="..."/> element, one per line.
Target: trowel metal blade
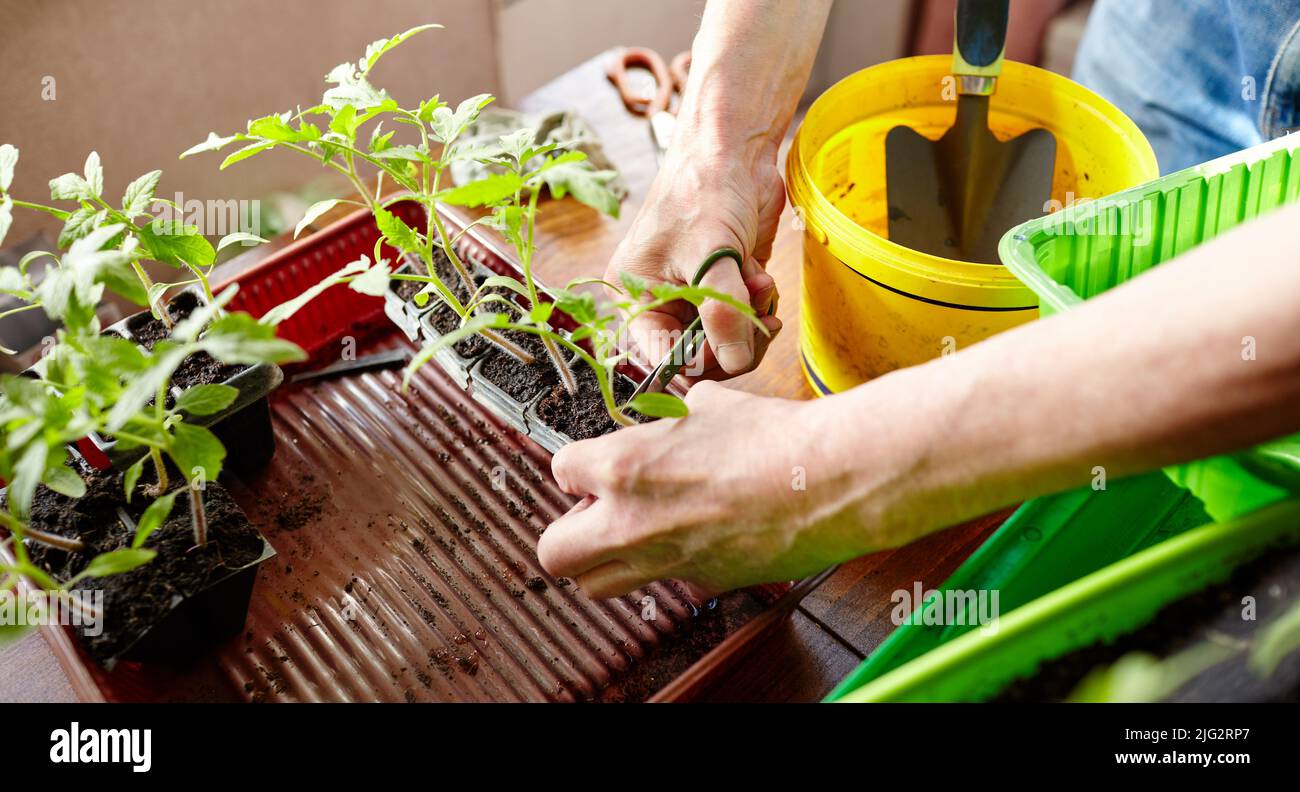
<point x="934" y="188"/>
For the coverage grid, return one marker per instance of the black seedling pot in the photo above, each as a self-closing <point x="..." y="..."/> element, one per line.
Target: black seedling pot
<point x="244" y="427"/>
<point x="197" y="623"/>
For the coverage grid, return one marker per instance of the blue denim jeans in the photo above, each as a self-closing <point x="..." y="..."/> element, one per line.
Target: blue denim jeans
<point x="1202" y="78"/>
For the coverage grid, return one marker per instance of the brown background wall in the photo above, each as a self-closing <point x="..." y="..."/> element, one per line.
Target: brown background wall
<point x="142" y="80"/>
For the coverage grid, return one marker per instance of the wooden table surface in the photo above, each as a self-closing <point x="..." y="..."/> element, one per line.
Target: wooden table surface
<point x="841" y="621"/>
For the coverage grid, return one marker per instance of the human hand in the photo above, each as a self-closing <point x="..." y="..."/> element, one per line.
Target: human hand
<point x="698" y="203"/>
<point x="710" y="499"/>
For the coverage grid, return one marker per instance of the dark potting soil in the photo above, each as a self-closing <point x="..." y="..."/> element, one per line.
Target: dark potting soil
<point x="521" y="382"/>
<point x="198" y="369"/>
<point x="137" y="600"/>
<point x="584" y="416"/>
<point x="1272" y="580"/>
<point x="706" y="630"/>
<point x="445" y="320"/>
<point x="406" y="289"/>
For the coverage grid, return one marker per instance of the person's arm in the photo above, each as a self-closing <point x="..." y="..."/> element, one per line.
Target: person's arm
<point x="719" y="185"/>
<point x="1152" y="373"/>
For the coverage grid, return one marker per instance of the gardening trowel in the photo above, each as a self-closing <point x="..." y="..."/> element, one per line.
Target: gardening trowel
<point x="956" y="196"/>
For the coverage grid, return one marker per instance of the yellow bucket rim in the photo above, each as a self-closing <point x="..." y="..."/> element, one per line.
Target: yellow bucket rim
<point x="910" y="272"/>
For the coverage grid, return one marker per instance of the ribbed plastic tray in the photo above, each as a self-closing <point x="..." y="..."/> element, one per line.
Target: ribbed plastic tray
<point x="406" y="525"/>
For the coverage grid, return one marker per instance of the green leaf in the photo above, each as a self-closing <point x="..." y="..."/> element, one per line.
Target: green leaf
<point x="517" y="143"/>
<point x="658" y="405"/>
<point x="213" y="143"/>
<point x="288" y="308"/>
<point x="131" y="477"/>
<point x="408" y="153"/>
<point x="579" y="305"/>
<point x="144" y="386"/>
<point x="541" y="313"/>
<point x="239" y="238"/>
<point x="488" y="191"/>
<point x="244" y="153"/>
<point x="1276" y="640"/>
<point x="9" y="633"/>
<point x="197" y="452"/>
<point x="78" y="225"/>
<point x="634" y="286"/>
<point x="428" y="107"/>
<point x="696" y="295"/>
<point x="94" y="174"/>
<point x="378" y="49"/>
<point x="153" y="518"/>
<point x="277" y="128"/>
<point x="27" y="474"/>
<point x="239" y="338"/>
<point x="345" y="122"/>
<point x="118" y="276"/>
<point x="8" y="162"/>
<point x="503" y="281"/>
<point x="313" y="212"/>
<point x="373" y="281"/>
<point x="588" y="185"/>
<point x="70" y="187"/>
<point x="139" y="194"/>
<point x="379" y="142"/>
<point x="398" y="233"/>
<point x="176" y="244"/>
<point x="352" y="88"/>
<point x="207" y="399"/>
<point x="62" y="480"/>
<point x="116" y="562"/>
<point x="448" y="125"/>
<point x="13" y="281"/>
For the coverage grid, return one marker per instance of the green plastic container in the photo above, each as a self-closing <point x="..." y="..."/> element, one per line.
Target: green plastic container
<point x="1099" y="607"/>
<point x="1066" y="258"/>
<point x="1082" y="251"/>
<point x="1046" y="544"/>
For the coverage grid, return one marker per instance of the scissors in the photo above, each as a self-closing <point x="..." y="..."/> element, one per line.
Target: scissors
<point x="692" y="339"/>
<point x="669" y="78"/>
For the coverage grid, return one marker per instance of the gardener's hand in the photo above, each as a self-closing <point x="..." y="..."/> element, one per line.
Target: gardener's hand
<point x="719" y="185"/>
<point x="698" y="203"/>
<point x="740" y="491"/>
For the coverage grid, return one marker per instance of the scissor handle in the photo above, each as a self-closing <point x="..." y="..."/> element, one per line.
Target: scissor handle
<point x="641" y="57"/>
<point x="693" y="337"/>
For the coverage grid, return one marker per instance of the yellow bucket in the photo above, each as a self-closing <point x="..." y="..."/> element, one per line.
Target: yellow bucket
<point x="870" y="306"/>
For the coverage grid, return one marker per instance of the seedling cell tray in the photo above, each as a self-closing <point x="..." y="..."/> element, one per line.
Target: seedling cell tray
<point x="406" y="526"/>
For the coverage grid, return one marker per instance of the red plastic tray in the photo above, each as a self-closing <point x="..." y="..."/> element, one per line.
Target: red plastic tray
<point x="406" y="526"/>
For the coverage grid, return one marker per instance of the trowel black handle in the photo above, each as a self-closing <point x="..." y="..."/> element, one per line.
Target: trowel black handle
<point x="981" y="37"/>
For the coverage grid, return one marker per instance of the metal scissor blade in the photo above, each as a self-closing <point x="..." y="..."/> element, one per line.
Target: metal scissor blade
<point x="682" y="353"/>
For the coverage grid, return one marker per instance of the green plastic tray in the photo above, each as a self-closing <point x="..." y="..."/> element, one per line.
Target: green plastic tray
<point x="1082" y="251"/>
<point x="1099" y="607"/>
<point x="1046" y="544"/>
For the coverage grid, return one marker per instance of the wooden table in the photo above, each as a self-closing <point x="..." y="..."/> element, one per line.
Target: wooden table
<point x="841" y="621"/>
